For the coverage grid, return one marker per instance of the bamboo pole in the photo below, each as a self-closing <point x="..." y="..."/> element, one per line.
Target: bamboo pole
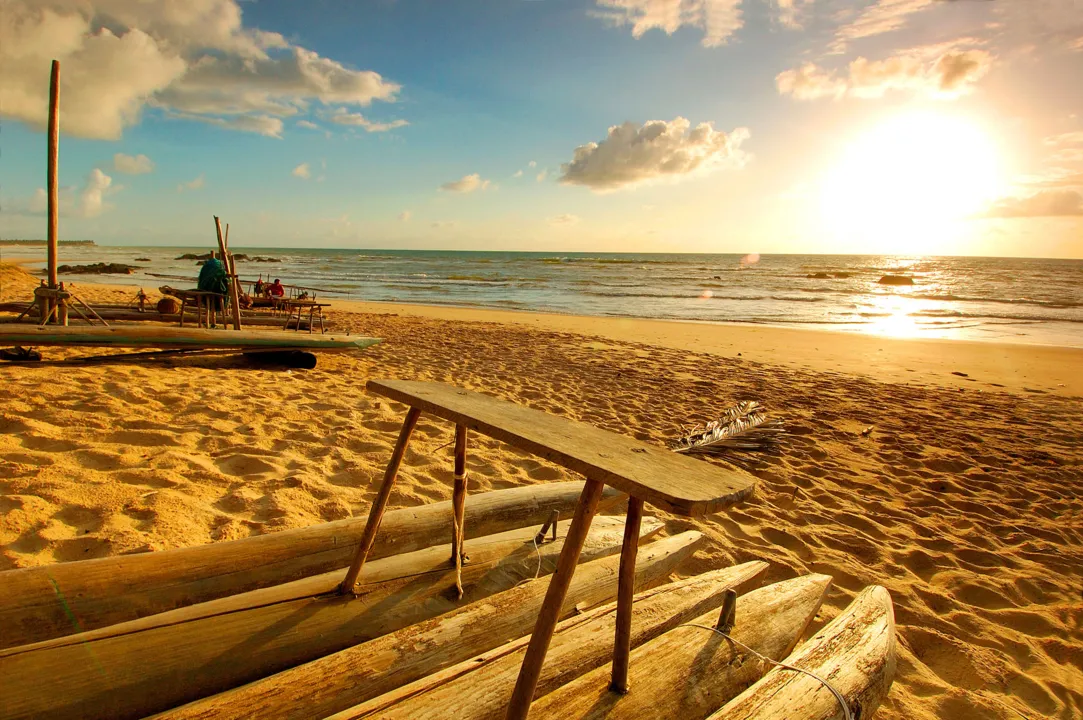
<point x="527" y="682"/>
<point x="622" y="643"/>
<point x="376" y="514"/>
<point x="458" y="506"/>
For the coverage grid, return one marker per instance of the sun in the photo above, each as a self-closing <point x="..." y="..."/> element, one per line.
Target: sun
<point x="908" y="185"/>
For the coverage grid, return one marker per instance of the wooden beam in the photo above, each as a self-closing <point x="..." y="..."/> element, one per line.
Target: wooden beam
<point x="52" y="176"/>
<point x="376" y="513"/>
<point x="458" y="507"/>
<point x="622" y="642"/>
<point x="527" y="682"/>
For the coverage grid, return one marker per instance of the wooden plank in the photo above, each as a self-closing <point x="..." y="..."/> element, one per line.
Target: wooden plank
<point x="337" y="682"/>
<point x="673" y="482"/>
<point x="133" y="674"/>
<point x="855" y="652"/>
<point x="479" y="687"/>
<point x="689" y="672"/>
<point x="622" y="640"/>
<point x="57" y="600"/>
<point x="177" y="338"/>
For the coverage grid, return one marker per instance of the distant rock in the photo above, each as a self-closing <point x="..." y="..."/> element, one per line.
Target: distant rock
<point x="842" y="275"/>
<point x="97" y="269"/>
<point x="896" y="280"/>
<point x="194" y="256"/>
<point x="142" y="259"/>
<point x="263" y="259"/>
<point x="818" y="276"/>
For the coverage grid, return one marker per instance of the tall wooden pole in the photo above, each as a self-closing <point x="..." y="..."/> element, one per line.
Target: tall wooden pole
<point x="54" y="155"/>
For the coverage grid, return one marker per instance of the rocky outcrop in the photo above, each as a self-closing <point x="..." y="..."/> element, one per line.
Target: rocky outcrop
<point x="97" y="269"/>
<point x="896" y="280"/>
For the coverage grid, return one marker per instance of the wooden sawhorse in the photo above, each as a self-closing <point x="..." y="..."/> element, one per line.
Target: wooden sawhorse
<point x="647" y="473"/>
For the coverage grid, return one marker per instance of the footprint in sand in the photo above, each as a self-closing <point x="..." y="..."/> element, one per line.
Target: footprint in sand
<point x="243" y="465"/>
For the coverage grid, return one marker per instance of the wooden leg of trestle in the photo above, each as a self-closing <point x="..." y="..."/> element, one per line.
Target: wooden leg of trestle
<point x="622" y="646"/>
<point x="376" y="513"/>
<point x="530" y="670"/>
<point x="458" y="505"/>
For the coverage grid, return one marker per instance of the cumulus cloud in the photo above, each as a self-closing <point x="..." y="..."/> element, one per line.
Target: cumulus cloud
<point x="517" y="174"/>
<point x="404" y="216"/>
<point x="1046" y="203"/>
<point x="466" y="184"/>
<point x="881" y="17"/>
<point x="302" y="171"/>
<point x="307" y="125"/>
<point x="718" y="19"/>
<point x="565" y="219"/>
<point x="1062" y="179"/>
<point x="950" y="75"/>
<point x="132" y="165"/>
<point x="342" y="116"/>
<point x="540" y="177"/>
<point x="86" y="202"/>
<point x="790" y="11"/>
<point x="532" y="164"/>
<point x="192" y="60"/>
<point x="194" y="184"/>
<point x="631" y="155"/>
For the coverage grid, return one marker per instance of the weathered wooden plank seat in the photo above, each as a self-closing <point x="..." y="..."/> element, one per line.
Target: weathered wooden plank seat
<point x="673" y="482"/>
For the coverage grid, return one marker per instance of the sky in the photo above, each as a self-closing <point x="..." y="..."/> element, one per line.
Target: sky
<point x="950" y="127"/>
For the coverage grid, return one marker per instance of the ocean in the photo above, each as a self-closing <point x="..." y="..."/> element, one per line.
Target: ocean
<point x="996" y="299"/>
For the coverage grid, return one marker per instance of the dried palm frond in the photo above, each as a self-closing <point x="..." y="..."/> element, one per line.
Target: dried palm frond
<point x="743" y="427"/>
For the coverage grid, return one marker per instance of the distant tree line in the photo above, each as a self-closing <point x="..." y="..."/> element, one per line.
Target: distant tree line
<point x="42" y="242"/>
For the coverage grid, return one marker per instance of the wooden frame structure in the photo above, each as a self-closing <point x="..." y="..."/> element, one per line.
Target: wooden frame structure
<point x="672" y="482"/>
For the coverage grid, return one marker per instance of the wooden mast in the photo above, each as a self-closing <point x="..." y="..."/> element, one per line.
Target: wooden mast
<point x="54" y="153"/>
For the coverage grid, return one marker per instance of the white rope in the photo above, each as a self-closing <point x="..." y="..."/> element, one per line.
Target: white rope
<point x="537" y="573"/>
<point x="838" y="696"/>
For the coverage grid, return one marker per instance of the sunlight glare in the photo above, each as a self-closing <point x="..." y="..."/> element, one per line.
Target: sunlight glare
<point x="908" y="185"/>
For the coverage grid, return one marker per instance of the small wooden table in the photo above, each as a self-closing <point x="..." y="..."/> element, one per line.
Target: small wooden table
<point x="647" y="473"/>
<point x="298" y="306"/>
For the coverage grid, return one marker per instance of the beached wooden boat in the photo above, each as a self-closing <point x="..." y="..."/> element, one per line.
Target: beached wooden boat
<point x="855" y="652"/>
<point x="338" y="681"/>
<point x="121" y="672"/>
<point x="177" y="338"/>
<point x="67" y="598"/>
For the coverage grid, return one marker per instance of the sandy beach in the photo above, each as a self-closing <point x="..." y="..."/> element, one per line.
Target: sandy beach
<point x="947" y="471"/>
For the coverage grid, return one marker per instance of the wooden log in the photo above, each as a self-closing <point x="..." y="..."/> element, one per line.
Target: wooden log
<point x="622" y="641"/>
<point x="379" y="505"/>
<point x="690" y="672"/>
<point x="52" y="175"/>
<point x="855" y="653"/>
<point x="57" y="600"/>
<point x="133" y="674"/>
<point x="549" y="614"/>
<point x="479" y="687"/>
<point x="339" y="681"/>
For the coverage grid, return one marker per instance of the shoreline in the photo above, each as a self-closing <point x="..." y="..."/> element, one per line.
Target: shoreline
<point x="988" y="365"/>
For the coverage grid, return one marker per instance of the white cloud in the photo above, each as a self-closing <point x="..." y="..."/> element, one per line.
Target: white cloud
<point x="302" y="171"/>
<point x="194" y="60"/>
<point x="950" y="75"/>
<point x="718" y="19"/>
<point x="132" y="165"/>
<point x="466" y="184"/>
<point x="881" y="17"/>
<point x="89" y="202"/>
<point x="517" y="174"/>
<point x="404" y="216"/>
<point x="341" y="116"/>
<point x="1046" y="203"/>
<point x="540" y="177"/>
<point x="194" y="184"/>
<point x="565" y="219"/>
<point x="307" y="125"/>
<point x="532" y="164"/>
<point x="631" y="155"/>
<point x="789" y="12"/>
